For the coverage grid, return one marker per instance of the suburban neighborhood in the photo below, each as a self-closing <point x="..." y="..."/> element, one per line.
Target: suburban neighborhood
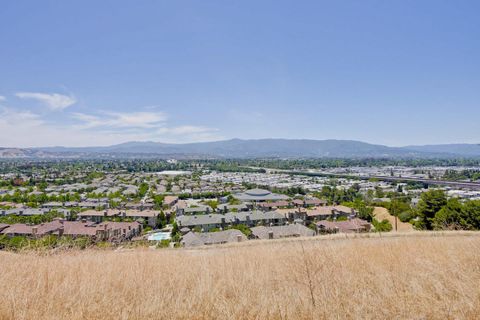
<point x="202" y="206"/>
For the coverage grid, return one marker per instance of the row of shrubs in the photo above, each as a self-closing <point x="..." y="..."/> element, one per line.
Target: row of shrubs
<point x="49" y="242"/>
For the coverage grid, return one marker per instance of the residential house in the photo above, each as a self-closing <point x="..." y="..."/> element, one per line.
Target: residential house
<point x="179" y="206"/>
<point x="39" y="230"/>
<point x="205" y="222"/>
<point x="309" y="202"/>
<point x="225" y="207"/>
<point x="349" y="226"/>
<point x="255" y="218"/>
<point x="117" y="231"/>
<point x="198" y="209"/>
<point x="72" y="204"/>
<point x="148" y="216"/>
<point x="90" y="205"/>
<point x="277" y="232"/>
<point x="52" y="205"/>
<point x="193" y="239"/>
<point x="130" y="191"/>
<point x="328" y="212"/>
<point x="106" y="231"/>
<point x="22" y="212"/>
<point x="294" y="215"/>
<point x="170" y="201"/>
<point x="98" y="216"/>
<point x="272" y="205"/>
<point x="139" y="206"/>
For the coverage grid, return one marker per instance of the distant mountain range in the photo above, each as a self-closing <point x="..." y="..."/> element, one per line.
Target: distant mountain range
<point x="261" y="148"/>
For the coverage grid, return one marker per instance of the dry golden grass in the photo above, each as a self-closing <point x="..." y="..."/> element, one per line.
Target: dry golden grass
<point x="408" y="277"/>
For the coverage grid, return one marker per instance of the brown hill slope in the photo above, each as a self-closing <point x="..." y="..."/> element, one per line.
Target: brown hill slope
<point x="406" y="277"/>
<point x="382" y="213"/>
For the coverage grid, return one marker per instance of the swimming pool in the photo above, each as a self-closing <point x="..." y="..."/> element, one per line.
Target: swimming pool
<point x="159" y="236"/>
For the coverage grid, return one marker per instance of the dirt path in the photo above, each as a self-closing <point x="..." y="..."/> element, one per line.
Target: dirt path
<point x="382" y="213"/>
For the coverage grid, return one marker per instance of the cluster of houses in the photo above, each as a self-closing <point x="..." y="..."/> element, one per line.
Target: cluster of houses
<point x="192" y="239"/>
<point x="267" y="215"/>
<point x="259" y="207"/>
<point x="105" y="231"/>
<point x="127" y="184"/>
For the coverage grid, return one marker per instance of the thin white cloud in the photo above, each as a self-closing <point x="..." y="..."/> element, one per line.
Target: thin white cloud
<point x="121" y="120"/>
<point x="2" y="98"/>
<point x="33" y="131"/>
<point x="136" y="119"/>
<point x="53" y="101"/>
<point x="188" y="133"/>
<point x="181" y="130"/>
<point x="104" y="128"/>
<point x="11" y="116"/>
<point x="88" y="121"/>
<point x="151" y="124"/>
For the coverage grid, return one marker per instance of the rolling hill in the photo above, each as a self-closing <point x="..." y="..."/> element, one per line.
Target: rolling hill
<point x="260" y="148"/>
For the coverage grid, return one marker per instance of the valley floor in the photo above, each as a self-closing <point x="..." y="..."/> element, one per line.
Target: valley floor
<point x="400" y="276"/>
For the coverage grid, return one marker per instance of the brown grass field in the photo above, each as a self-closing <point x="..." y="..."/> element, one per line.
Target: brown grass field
<point x="419" y="276"/>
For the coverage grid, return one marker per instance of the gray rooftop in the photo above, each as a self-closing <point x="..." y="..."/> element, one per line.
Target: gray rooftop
<point x="228" y="218"/>
<point x="197" y="209"/>
<point x="193" y="239"/>
<point x="292" y="230"/>
<point x="253" y="216"/>
<point x="200" y="219"/>
<point x="259" y="195"/>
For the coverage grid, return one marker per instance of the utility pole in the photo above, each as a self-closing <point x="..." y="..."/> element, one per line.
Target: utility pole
<point x="394" y="208"/>
<point x="396" y="224"/>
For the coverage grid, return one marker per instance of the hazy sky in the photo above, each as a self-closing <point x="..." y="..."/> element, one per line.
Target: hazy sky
<point x="394" y="72"/>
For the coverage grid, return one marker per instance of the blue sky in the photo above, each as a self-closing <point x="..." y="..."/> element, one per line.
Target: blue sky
<point x="82" y="73"/>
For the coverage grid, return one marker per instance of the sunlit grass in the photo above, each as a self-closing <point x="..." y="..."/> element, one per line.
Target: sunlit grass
<point x="415" y="277"/>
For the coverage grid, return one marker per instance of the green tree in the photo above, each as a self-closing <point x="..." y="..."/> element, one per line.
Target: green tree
<point x="158" y="201"/>
<point x="175" y="229"/>
<point x="379" y="192"/>
<point x="212" y="203"/>
<point x="142" y="189"/>
<point x="430" y="203"/>
<point x="161" y="220"/>
<point x="363" y="211"/>
<point x="472" y="213"/>
<point x="382" y="226"/>
<point x="451" y="216"/>
<point x="406" y="216"/>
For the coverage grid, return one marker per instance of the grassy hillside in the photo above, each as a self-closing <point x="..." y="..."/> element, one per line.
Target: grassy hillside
<point x="382" y="213"/>
<point x="416" y="276"/>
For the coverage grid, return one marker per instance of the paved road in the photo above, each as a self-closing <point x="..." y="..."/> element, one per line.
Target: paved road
<point x="456" y="184"/>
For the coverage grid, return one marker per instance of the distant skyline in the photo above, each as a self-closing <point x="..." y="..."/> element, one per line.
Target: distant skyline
<point x="93" y="73"/>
